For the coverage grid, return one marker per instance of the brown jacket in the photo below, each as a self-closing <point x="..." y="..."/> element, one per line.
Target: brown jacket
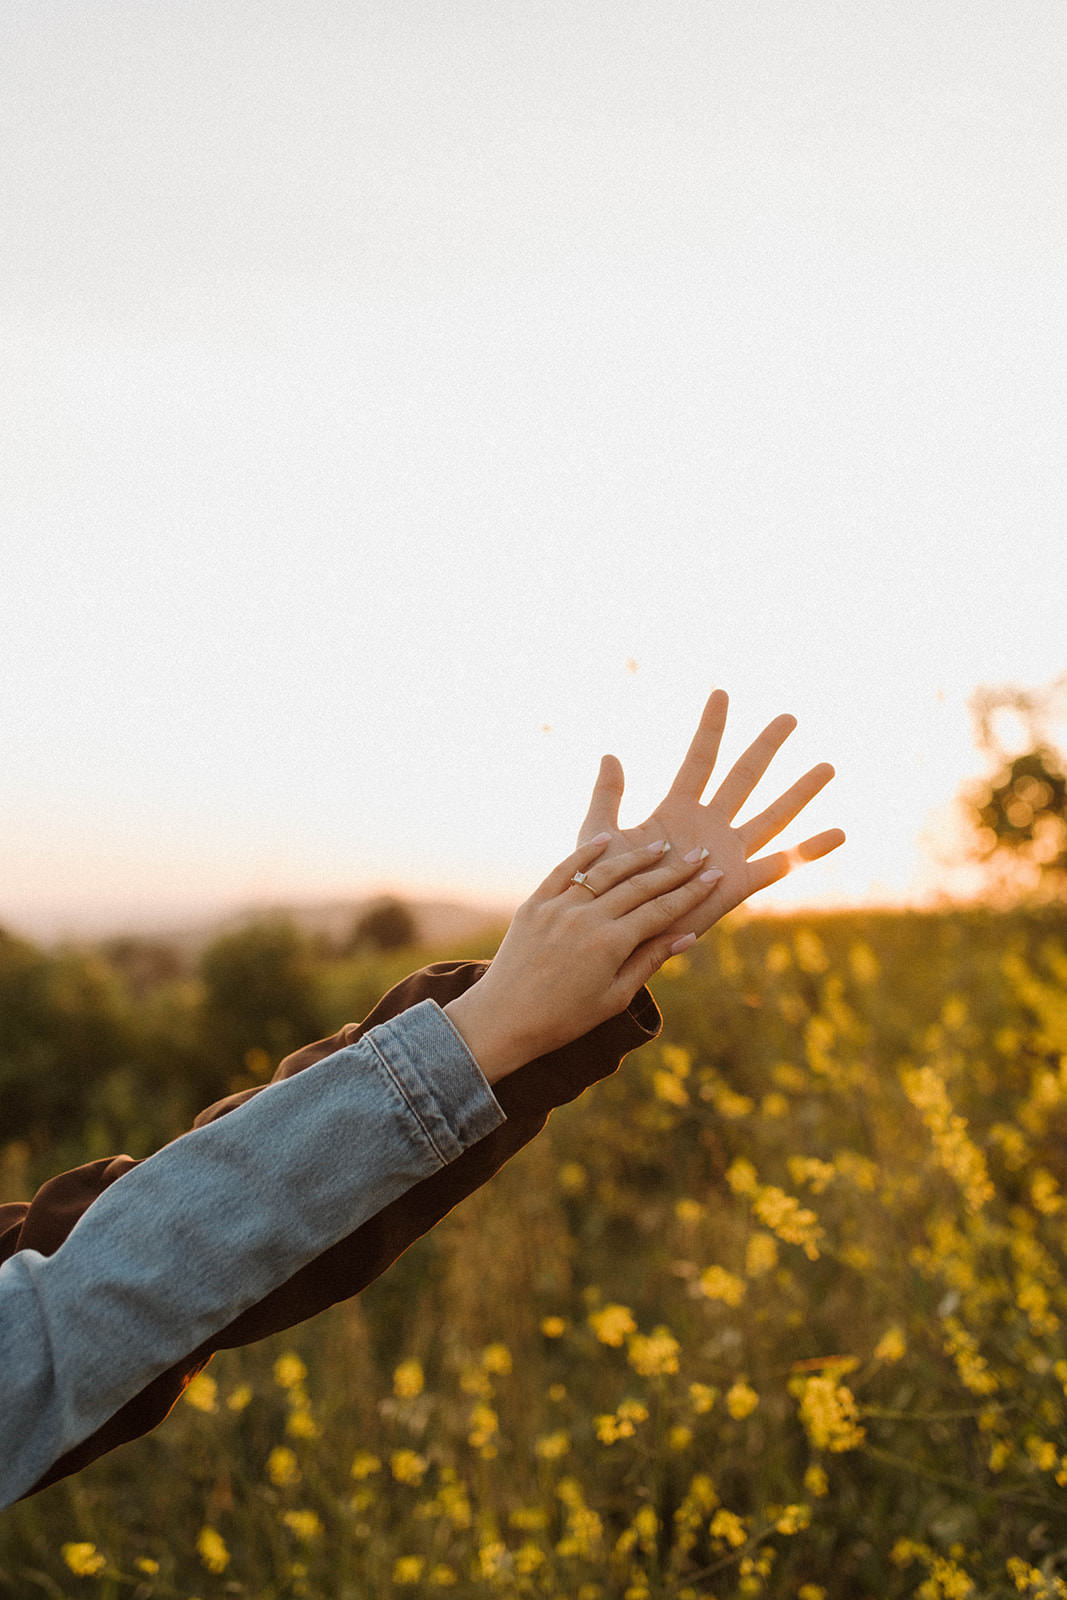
<point x="526" y="1097"/>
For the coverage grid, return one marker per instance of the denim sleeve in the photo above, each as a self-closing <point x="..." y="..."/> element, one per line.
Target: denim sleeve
<point x="147" y="1274"/>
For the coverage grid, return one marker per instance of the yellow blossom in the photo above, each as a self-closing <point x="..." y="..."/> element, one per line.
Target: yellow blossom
<point x="553" y="1327"/>
<point x="891" y="1346"/>
<point x="240" y="1398"/>
<point x="289" y="1371"/>
<point x="305" y="1524"/>
<point x="816" y="1481"/>
<point x="146" y="1565"/>
<point x="702" y="1397"/>
<point x="407" y="1466"/>
<point x="668" y="1088"/>
<point x="408" y="1380"/>
<point x="300" y="1424"/>
<point x="496" y="1358"/>
<point x="680" y="1437"/>
<point x="612" y="1323"/>
<point x="202" y="1393"/>
<point x="741" y="1399"/>
<point x="688" y="1212"/>
<point x="761" y="1254"/>
<point x="83" y="1559"/>
<point x="408" y="1569"/>
<point x="283" y="1470"/>
<point x="211" y="1548"/>
<point x="364" y="1465"/>
<point x="442" y="1576"/>
<point x="528" y="1557"/>
<point x="811" y="1591"/>
<point x="828" y="1412"/>
<point x="550" y="1446"/>
<point x="572" y="1177"/>
<point x="718" y="1284"/>
<point x="653" y="1355"/>
<point x="725" y="1525"/>
<point x="793" y="1519"/>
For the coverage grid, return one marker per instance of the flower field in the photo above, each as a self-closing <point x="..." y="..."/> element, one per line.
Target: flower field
<point x="779" y="1310"/>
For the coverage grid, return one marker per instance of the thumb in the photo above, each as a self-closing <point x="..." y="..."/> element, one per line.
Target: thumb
<point x="604" y="805"/>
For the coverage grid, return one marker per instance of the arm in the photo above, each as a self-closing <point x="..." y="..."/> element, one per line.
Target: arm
<point x="564" y="918"/>
<point x="683" y="818"/>
<point x="146" y="1275"/>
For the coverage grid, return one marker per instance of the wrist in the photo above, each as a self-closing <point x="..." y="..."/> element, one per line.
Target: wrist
<point x="496" y="1046"/>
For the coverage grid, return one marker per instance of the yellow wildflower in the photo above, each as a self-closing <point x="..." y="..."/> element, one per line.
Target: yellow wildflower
<point x="553" y="1327"/>
<point x="300" y="1424"/>
<point x="702" y="1397"/>
<point x="668" y="1088"/>
<point x="202" y="1393"/>
<point x="572" y="1177"/>
<point x="811" y="1591"/>
<point x="146" y="1565"/>
<point x="240" y="1398"/>
<point x="289" y="1371"/>
<point x="211" y="1548"/>
<point x="816" y="1482"/>
<point x="482" y="1429"/>
<point x="612" y="1323"/>
<point x="793" y="1519"/>
<point x="364" y="1465"/>
<point x="528" y="1557"/>
<point x="718" y="1284"/>
<point x="741" y="1399"/>
<point x="83" y="1559"/>
<point x="305" y="1524"/>
<point x="496" y="1358"/>
<point x="728" y="1527"/>
<point x="283" y="1470"/>
<point x="680" y="1437"/>
<point x="408" y="1380"/>
<point x="408" y="1569"/>
<point x="653" y="1355"/>
<point x="407" y="1466"/>
<point x="828" y="1412"/>
<point x="891" y="1346"/>
<point x="741" y="1176"/>
<point x="761" y="1254"/>
<point x="688" y="1212"/>
<point x="442" y="1576"/>
<point x="551" y="1446"/>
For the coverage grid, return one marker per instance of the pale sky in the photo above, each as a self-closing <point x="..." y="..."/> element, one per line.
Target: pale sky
<point x="383" y="383"/>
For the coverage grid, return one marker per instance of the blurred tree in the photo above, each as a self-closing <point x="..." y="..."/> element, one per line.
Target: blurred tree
<point x="1020" y="812"/>
<point x="389" y="924"/>
<point x="144" y="964"/>
<point x="260" y="994"/>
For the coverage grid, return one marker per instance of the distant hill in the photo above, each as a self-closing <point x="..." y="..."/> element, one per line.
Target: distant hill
<point x="439" y="922"/>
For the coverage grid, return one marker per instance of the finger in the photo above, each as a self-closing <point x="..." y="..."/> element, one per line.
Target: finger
<point x="655" y="916"/>
<point x="647" y="960"/>
<point x="749" y="768"/>
<point x="606" y="876"/>
<point x="578" y="861"/>
<point x="769" y="869"/>
<point x="700" y="758"/>
<point x="637" y="888"/>
<point x="607" y="794"/>
<point x="762" y="829"/>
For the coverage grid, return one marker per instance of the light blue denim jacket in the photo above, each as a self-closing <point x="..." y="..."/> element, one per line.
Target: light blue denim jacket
<point x="147" y="1273"/>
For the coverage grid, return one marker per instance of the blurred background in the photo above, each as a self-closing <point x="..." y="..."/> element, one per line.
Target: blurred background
<point x="403" y="404"/>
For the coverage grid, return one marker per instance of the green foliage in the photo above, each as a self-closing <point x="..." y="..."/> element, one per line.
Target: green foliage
<point x="260" y="992"/>
<point x="389" y="924"/>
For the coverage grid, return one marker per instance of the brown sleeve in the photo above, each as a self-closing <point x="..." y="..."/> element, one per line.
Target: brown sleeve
<point x="526" y="1097"/>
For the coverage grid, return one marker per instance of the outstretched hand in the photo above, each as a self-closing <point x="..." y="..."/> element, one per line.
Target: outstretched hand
<point x="683" y="819"/>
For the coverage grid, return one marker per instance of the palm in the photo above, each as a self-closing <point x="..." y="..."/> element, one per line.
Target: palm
<point x="686" y="821"/>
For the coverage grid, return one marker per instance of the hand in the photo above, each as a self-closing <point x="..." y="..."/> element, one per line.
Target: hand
<point x="684" y="821"/>
<point x="572" y="959"/>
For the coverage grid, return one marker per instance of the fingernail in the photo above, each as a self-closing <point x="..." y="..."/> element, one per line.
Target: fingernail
<point x="600" y="838"/>
<point x="660" y="848"/>
<point x="695" y="855"/>
<point x="712" y="875"/>
<point x="683" y="943"/>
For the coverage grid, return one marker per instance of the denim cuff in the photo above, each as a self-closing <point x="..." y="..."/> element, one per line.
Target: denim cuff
<point x="440" y="1081"/>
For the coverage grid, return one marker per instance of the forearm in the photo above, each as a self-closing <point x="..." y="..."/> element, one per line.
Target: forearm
<point x="526" y="1097"/>
<point x="170" y="1254"/>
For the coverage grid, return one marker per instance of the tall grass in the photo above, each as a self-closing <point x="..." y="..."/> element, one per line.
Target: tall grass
<point x="778" y="1310"/>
